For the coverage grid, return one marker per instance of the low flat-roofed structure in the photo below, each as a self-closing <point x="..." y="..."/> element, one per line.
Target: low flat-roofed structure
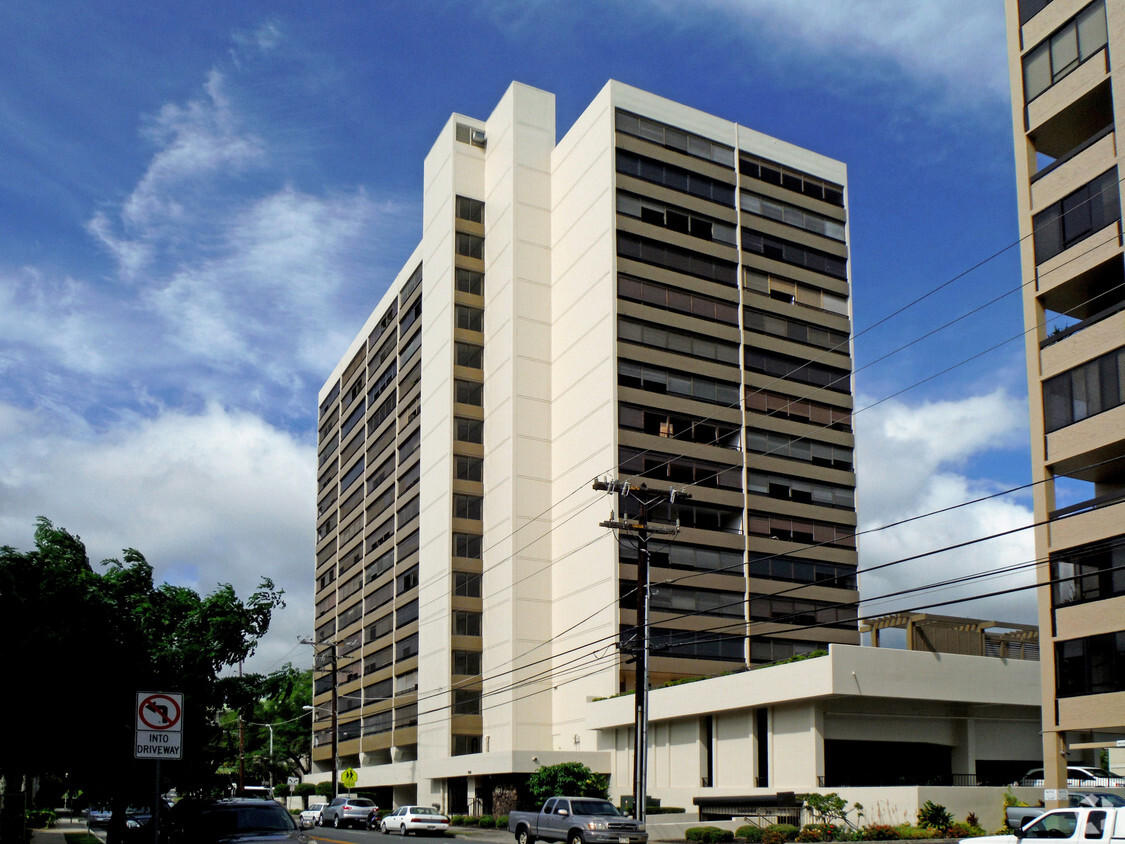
<point x="879" y="726"/>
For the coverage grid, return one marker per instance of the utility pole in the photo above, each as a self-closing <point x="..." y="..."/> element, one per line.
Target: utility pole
<point x="335" y="710"/>
<point x="639" y="644"/>
<point x="241" y="745"/>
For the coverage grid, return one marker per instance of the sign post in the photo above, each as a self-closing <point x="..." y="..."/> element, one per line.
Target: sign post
<point x="160" y="732"/>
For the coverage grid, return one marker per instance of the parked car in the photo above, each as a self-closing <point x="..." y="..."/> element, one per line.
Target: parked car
<point x="346" y="811"/>
<point x="417" y="819"/>
<point x="1021" y="816"/>
<point x="98" y="816"/>
<point x="1077" y="776"/>
<point x="576" y="820"/>
<point x="232" y="821"/>
<point x="310" y="817"/>
<point x="134" y="826"/>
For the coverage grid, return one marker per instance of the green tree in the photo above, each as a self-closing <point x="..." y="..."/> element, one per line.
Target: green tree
<point x="86" y="642"/>
<point x="830" y="808"/>
<point x="277" y="699"/>
<point x="567" y="778"/>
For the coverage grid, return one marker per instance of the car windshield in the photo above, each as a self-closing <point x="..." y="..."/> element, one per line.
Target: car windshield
<point x="1102" y="772"/>
<point x="594" y="807"/>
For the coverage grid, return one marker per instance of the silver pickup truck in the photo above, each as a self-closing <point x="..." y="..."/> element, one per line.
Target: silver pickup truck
<point x="576" y="820"/>
<point x="1021" y="816"/>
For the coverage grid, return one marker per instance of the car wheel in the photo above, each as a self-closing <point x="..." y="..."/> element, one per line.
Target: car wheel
<point x="524" y="837"/>
<point x="336" y="822"/>
<point x="575" y="837"/>
<point x="383" y="828"/>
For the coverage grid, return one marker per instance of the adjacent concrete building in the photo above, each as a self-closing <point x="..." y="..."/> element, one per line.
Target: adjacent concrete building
<point x="888" y="729"/>
<point x="1066" y="78"/>
<point x="661" y="296"/>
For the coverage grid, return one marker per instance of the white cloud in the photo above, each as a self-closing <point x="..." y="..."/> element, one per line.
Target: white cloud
<point x="955" y="43"/>
<point x="208" y="498"/>
<point x="919" y="459"/>
<point x="195" y="142"/>
<point x="231" y="281"/>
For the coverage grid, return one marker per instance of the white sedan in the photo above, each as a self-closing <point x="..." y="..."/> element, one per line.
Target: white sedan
<point x="310" y="817"/>
<point x="418" y="819"/>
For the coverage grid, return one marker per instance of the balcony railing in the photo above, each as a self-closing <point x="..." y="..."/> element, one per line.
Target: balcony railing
<point x="1082" y="147"/>
<point x="961" y="780"/>
<point x="1062" y="334"/>
<point x="1089" y="504"/>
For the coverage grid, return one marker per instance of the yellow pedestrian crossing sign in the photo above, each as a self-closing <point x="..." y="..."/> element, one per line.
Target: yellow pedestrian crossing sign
<point x="348" y="777"/>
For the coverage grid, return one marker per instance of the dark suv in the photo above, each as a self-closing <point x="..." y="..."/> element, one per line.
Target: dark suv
<point x="234" y="820"/>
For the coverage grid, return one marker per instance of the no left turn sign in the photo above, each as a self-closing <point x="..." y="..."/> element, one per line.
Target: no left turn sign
<point x="158" y="711"/>
<point x="159" y="725"/>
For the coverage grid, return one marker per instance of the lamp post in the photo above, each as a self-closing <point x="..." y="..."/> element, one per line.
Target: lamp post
<point x="270" y="728"/>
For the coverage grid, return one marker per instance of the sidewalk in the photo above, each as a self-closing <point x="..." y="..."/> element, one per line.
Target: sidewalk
<point x="55" y="835"/>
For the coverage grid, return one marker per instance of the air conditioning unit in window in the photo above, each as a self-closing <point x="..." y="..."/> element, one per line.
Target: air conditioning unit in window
<point x="477" y="137"/>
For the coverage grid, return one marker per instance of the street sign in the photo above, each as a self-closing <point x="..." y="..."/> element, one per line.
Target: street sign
<point x="293" y="782"/>
<point x="348" y="777"/>
<point x="160" y="725"/>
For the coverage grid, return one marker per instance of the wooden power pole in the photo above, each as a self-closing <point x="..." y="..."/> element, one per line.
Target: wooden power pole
<point x="638" y="644"/>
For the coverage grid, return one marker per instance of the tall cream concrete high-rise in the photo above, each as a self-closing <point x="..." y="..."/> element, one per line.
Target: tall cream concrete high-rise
<point x="1065" y="62"/>
<point x="663" y="297"/>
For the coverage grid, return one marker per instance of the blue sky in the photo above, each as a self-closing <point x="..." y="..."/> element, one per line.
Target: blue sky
<point x="202" y="202"/>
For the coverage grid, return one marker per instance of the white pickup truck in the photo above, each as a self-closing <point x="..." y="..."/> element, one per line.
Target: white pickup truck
<point x="1072" y="825"/>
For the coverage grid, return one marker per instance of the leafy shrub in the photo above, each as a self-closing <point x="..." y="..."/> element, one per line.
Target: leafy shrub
<point x="961" y="830"/>
<point x="39" y="818"/>
<point x="664" y="810"/>
<point x="772" y="836"/>
<point x="787" y="830"/>
<point x="817" y="832"/>
<point x="752" y="833"/>
<point x="470" y="820"/>
<point x="486" y="822"/>
<point x="304" y="789"/>
<point x="457" y="820"/>
<point x="909" y="833"/>
<point x="501" y="821"/>
<point x="934" y="816"/>
<point x="878" y="832"/>
<point x="972" y="820"/>
<point x="708" y="834"/>
<point x="1011" y="800"/>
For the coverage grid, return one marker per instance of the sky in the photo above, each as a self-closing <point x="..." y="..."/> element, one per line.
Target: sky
<point x="200" y="204"/>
